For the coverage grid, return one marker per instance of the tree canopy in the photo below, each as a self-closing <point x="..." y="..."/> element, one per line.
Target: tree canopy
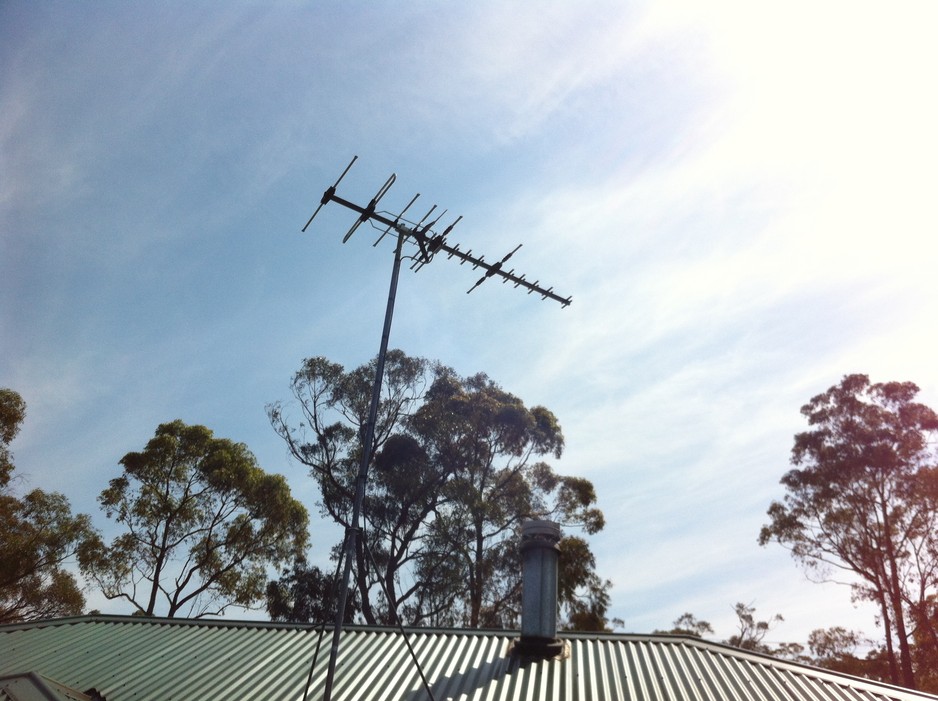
<point x="688" y="624"/>
<point x="306" y="594"/>
<point x="456" y="469"/>
<point x="751" y="632"/>
<point x="12" y="413"/>
<point x="863" y="498"/>
<point x="836" y="649"/>
<point x="38" y="534"/>
<point x="749" y="635"/>
<point x="202" y="523"/>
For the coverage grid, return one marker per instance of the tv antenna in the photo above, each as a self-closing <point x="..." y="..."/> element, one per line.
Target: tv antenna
<point x="427" y="240"/>
<point x="430" y="244"/>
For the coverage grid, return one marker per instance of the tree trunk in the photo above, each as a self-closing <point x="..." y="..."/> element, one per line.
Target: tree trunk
<point x="361" y="578"/>
<point x="905" y="653"/>
<point x="887" y="629"/>
<point x="895" y="601"/>
<point x="476" y="579"/>
<point x="158" y="571"/>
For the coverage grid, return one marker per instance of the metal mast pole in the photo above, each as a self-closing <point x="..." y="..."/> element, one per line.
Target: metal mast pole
<point x="352" y="533"/>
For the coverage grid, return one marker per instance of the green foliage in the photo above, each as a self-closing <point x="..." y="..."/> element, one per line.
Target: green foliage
<point x="750" y="631"/>
<point x="835" y="648"/>
<point x="749" y="636"/>
<point x="334" y="408"/>
<point x="688" y="624"/>
<point x="864" y="499"/>
<point x="305" y="594"/>
<point x="582" y="593"/>
<point x="456" y="471"/>
<point x="202" y="523"/>
<point x="487" y="443"/>
<point x="12" y="413"/>
<point x="37" y="535"/>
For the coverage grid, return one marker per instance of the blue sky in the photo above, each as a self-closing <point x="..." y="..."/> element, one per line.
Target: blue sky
<point x="738" y="196"/>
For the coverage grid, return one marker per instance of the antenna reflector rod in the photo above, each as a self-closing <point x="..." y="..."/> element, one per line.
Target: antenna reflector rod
<point x="330" y="192"/>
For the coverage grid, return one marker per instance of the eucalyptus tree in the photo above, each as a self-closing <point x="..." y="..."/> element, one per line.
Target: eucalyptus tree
<point x="326" y="437"/>
<point x="202" y="523"/>
<point x="490" y="444"/>
<point x="863" y="499"/>
<point x="305" y="594"/>
<point x="12" y="413"/>
<point x="38" y="534"/>
<point x="456" y="469"/>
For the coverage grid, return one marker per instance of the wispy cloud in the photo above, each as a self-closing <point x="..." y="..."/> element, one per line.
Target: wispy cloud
<point x="737" y="197"/>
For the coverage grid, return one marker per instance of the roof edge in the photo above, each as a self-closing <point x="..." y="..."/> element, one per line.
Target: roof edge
<point x="248" y="623"/>
<point x="723" y="648"/>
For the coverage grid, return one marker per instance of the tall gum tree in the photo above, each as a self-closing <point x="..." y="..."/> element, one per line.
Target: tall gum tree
<point x="326" y="437"/>
<point x="490" y="444"/>
<point x="456" y="469"/>
<point x="202" y="523"/>
<point x="38" y="534"/>
<point x="863" y="498"/>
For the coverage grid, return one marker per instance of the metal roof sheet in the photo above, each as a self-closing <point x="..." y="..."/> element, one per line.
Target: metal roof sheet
<point x="35" y="687"/>
<point x="133" y="658"/>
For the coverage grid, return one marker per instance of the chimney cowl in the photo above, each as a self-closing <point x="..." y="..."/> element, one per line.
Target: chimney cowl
<point x="545" y="534"/>
<point x="539" y="553"/>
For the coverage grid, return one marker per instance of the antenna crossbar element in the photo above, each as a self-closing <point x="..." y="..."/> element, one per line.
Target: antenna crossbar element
<point x="428" y="242"/>
<point x="369" y="211"/>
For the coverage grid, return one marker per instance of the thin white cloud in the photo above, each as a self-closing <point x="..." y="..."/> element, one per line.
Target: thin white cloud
<point x="738" y="199"/>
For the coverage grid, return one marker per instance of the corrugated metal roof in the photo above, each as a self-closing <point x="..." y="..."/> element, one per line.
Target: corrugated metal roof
<point x="124" y="658"/>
